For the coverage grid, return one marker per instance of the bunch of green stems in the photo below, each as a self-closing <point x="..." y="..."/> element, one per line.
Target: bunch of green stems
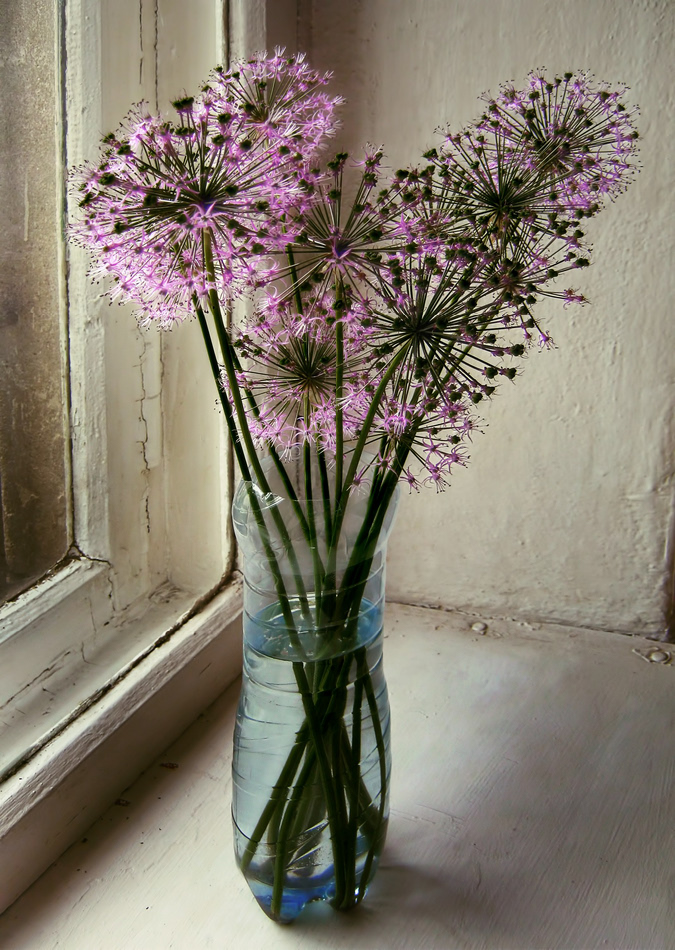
<point x="323" y="745"/>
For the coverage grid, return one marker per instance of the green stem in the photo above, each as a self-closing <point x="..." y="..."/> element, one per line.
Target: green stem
<point x="290" y="491"/>
<point x="363" y="438"/>
<point x="227" y="409"/>
<point x="340" y="805"/>
<point x="353" y="787"/>
<point x="382" y="759"/>
<point x="358" y="569"/>
<point x="339" y="419"/>
<point x="326" y="778"/>
<point x="245" y="435"/>
<point x="311" y="521"/>
<point x="279" y="794"/>
<point x="325" y="607"/>
<point x="253" y="500"/>
<point x="325" y="491"/>
<point x="282" y="838"/>
<point x="278" y="464"/>
<point x="342" y="500"/>
<point x="354" y="777"/>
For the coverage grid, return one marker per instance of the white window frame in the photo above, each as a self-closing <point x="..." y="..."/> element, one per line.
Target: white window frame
<point x="182" y="642"/>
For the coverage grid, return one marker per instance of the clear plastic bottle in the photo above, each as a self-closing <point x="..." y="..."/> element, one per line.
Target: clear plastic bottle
<point x="312" y="756"/>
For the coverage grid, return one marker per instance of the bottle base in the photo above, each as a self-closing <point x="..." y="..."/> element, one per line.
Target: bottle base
<point x="294" y="899"/>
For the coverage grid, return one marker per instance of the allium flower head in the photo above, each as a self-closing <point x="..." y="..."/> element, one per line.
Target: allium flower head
<point x="489" y="222"/>
<point x="283" y="97"/>
<point x="537" y="161"/>
<point x="289" y="366"/>
<point x="573" y="131"/>
<point x="441" y="337"/>
<point x="175" y="209"/>
<point x="343" y="239"/>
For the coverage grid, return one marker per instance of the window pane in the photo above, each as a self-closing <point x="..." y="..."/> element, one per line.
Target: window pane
<point x="33" y="527"/>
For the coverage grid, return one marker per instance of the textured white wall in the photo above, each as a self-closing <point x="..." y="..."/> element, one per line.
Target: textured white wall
<point x="565" y="509"/>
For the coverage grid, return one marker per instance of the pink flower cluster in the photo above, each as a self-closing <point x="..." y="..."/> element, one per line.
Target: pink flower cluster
<point x="386" y="317"/>
<point x="579" y="135"/>
<point x="233" y="165"/>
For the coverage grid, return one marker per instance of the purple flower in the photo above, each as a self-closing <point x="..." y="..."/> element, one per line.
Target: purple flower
<point x="343" y="241"/>
<point x="384" y="319"/>
<point x="289" y="368"/>
<point x="159" y="187"/>
<point x="573" y="133"/>
<point x="282" y="97"/>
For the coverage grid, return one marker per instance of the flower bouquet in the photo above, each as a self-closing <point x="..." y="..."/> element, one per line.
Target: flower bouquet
<point x="385" y="308"/>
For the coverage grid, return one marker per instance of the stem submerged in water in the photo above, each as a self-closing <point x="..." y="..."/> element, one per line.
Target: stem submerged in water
<point x="333" y="785"/>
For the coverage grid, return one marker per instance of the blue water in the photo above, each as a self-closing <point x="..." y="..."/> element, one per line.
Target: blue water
<point x="266" y="632"/>
<point x="269" y="718"/>
<point x="298" y="893"/>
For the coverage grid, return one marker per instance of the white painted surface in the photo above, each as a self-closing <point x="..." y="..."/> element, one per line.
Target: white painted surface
<point x="120" y="724"/>
<point x="197" y="513"/>
<point x="532" y="807"/>
<point x="566" y="509"/>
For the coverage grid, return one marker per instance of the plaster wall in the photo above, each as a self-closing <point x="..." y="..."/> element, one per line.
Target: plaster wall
<point x="565" y="510"/>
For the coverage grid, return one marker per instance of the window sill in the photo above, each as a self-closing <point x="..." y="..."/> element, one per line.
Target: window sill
<point x="47" y="803"/>
<point x="531" y="806"/>
<point x="62" y="648"/>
